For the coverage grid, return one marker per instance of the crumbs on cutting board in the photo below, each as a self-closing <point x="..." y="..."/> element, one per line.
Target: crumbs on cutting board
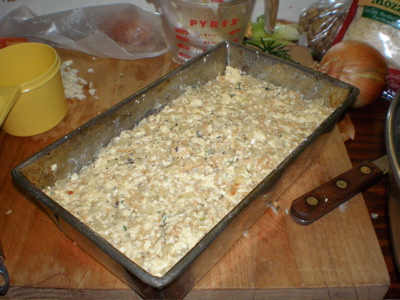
<point x="342" y="207"/>
<point x="73" y="84"/>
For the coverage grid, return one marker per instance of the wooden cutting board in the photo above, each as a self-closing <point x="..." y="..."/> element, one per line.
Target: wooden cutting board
<point x="337" y="257"/>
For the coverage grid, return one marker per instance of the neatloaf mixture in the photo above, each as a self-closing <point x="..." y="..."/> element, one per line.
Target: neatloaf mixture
<point x="157" y="189"/>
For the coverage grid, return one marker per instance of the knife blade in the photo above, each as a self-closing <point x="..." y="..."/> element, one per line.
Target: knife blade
<point x="313" y="205"/>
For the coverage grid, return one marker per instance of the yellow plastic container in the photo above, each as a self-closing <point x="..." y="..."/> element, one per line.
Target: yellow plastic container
<point x="32" y="99"/>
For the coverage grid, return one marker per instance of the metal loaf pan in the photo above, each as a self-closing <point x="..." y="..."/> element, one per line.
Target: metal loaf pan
<point x="80" y="147"/>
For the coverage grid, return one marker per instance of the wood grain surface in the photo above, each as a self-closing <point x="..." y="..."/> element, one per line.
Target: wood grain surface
<point x="369" y="143"/>
<point x="337" y="257"/>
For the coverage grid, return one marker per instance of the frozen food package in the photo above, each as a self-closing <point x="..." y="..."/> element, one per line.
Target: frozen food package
<point x="378" y="24"/>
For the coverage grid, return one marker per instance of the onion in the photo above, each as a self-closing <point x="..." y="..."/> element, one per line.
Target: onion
<point x="358" y="64"/>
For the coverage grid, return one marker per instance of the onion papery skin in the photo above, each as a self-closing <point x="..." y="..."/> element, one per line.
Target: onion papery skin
<point x="360" y="65"/>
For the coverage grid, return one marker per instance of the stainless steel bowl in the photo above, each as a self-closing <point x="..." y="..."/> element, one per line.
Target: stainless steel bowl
<point x="393" y="151"/>
<point x="3" y="273"/>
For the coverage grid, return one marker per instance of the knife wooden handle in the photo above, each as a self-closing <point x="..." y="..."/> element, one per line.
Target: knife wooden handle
<point x="318" y="202"/>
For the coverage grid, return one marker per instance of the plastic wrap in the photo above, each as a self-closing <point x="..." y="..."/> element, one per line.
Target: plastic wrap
<point x="122" y="31"/>
<point x="320" y="22"/>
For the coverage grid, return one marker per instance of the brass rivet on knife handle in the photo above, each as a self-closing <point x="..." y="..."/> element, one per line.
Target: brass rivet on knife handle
<point x="305" y="210"/>
<point x="312" y="201"/>
<point x="341" y="184"/>
<point x="365" y="170"/>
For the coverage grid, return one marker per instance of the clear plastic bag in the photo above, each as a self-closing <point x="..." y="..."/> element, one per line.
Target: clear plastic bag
<point x="320" y="22"/>
<point x="121" y="31"/>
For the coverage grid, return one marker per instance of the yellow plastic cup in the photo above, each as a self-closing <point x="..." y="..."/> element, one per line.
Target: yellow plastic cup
<point x="32" y="98"/>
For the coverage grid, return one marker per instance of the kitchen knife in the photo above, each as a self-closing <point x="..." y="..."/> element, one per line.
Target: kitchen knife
<point x="3" y="272"/>
<point x="318" y="202"/>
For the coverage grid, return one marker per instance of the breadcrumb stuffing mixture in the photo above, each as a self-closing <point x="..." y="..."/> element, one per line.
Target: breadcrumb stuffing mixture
<point x="73" y="84"/>
<point x="157" y="189"/>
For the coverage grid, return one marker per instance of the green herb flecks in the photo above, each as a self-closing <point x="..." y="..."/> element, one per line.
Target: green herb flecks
<point x="271" y="47"/>
<point x="164" y="219"/>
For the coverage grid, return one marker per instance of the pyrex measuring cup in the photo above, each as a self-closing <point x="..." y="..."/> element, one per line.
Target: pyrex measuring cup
<point x="193" y="26"/>
<point x="32" y="98"/>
